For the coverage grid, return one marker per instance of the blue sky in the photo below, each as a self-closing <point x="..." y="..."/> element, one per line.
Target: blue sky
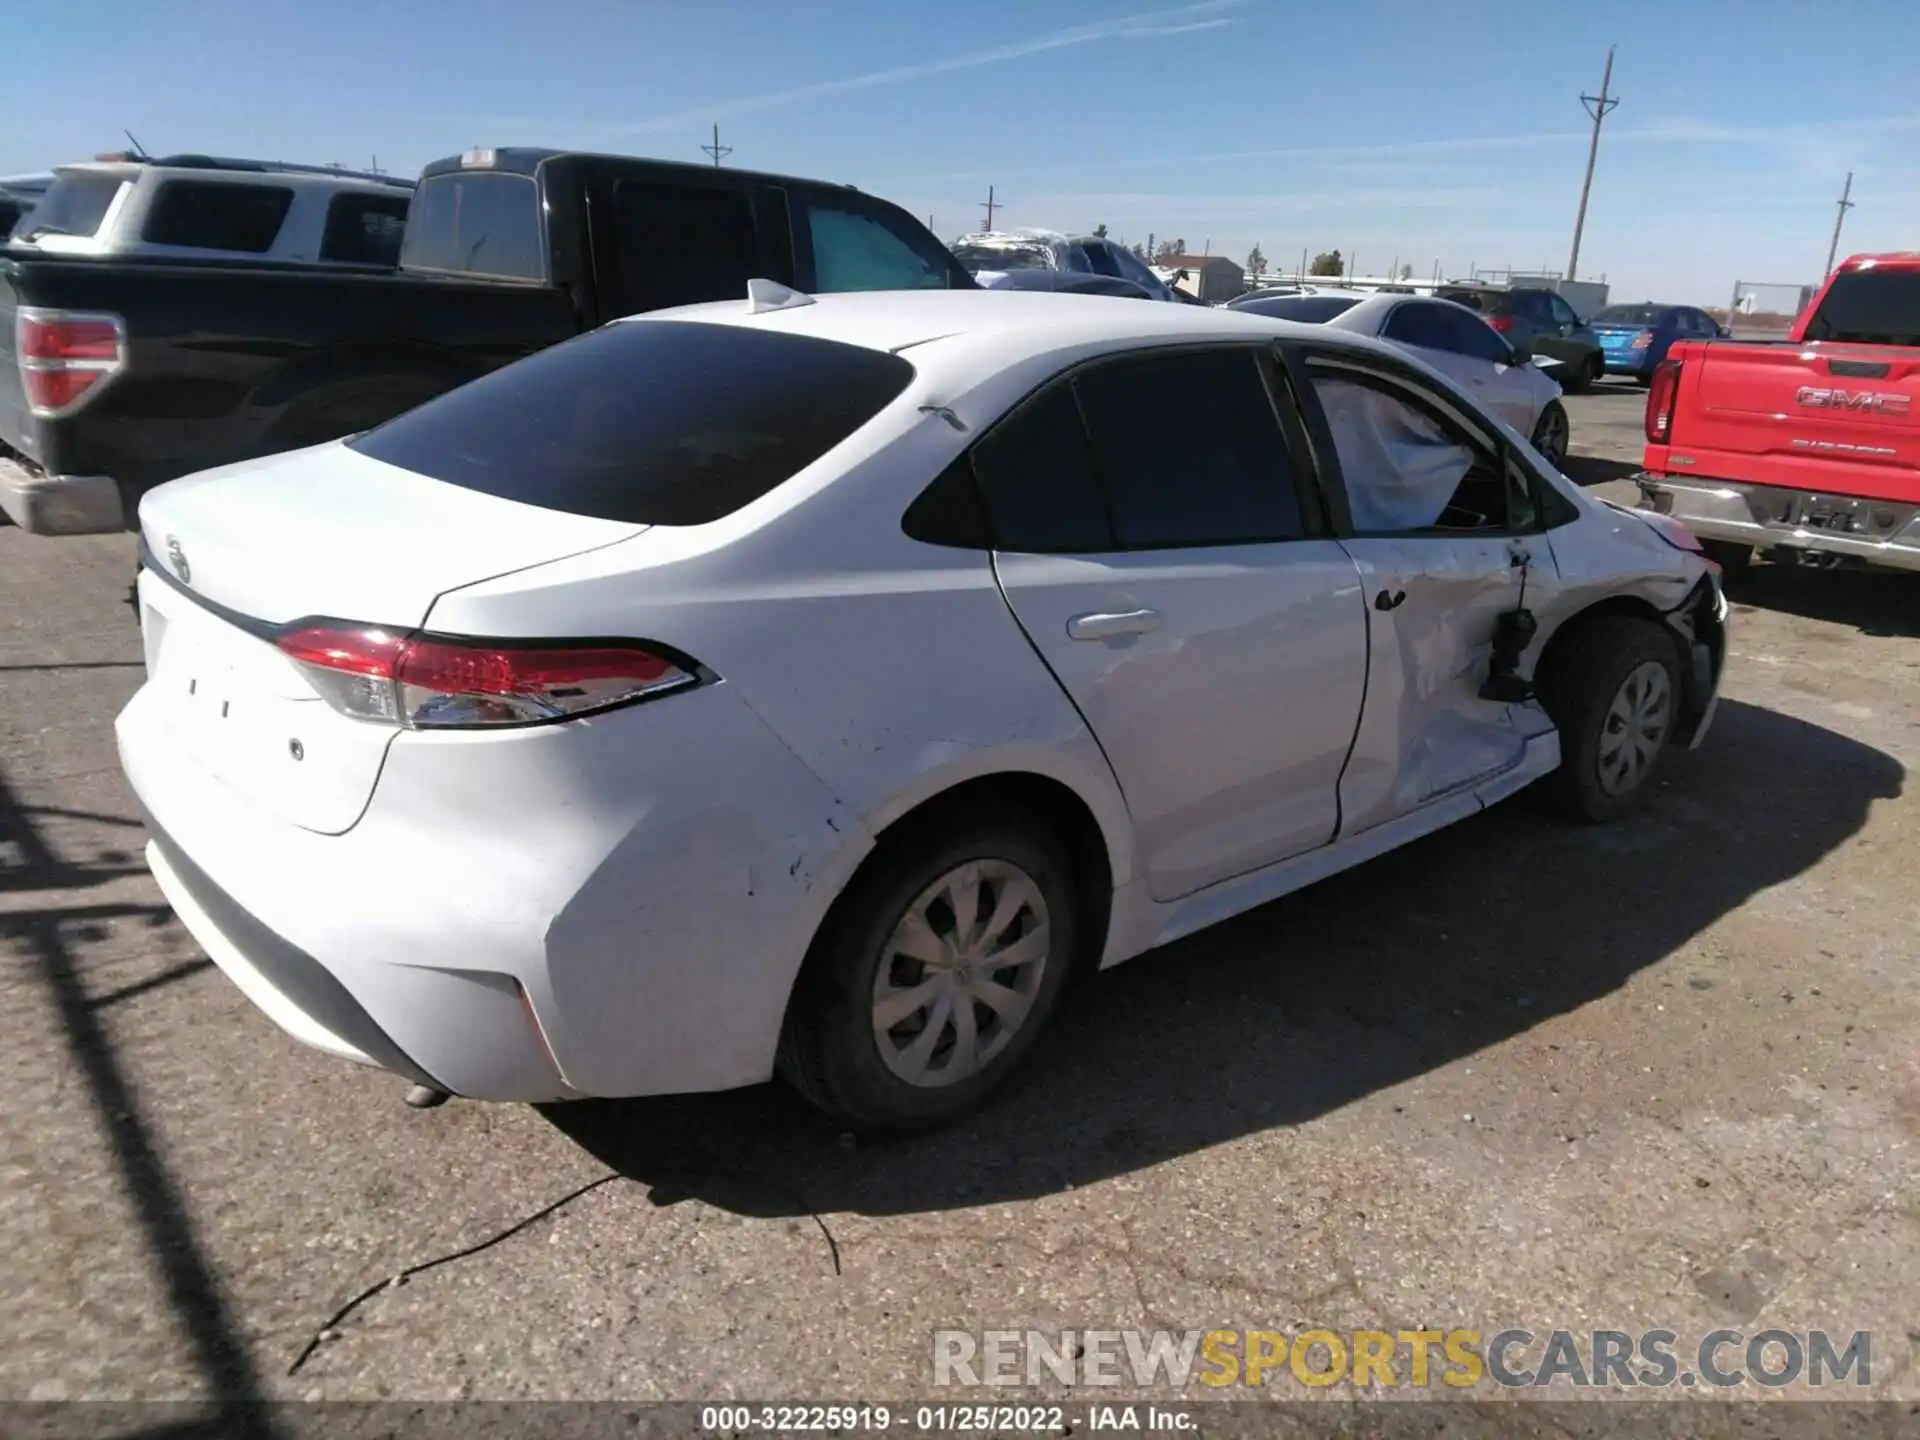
<point x="1446" y="132"/>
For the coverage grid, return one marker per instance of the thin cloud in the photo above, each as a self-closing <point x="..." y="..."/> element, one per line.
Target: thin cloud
<point x="1181" y="19"/>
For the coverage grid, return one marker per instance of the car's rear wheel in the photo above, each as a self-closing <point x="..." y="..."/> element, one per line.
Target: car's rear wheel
<point x="934" y="975"/>
<point x="1585" y="375"/>
<point x="1552" y="433"/>
<point x="1614" y="692"/>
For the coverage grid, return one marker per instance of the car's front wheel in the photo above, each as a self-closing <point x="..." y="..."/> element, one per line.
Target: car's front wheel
<point x="1614" y="693"/>
<point x="1552" y="433"/>
<point x="934" y="976"/>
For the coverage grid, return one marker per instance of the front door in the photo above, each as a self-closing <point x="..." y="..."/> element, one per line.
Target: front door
<point x="1158" y="550"/>
<point x="1440" y="527"/>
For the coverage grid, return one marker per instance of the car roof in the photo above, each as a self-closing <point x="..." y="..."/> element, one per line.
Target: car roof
<point x="980" y="332"/>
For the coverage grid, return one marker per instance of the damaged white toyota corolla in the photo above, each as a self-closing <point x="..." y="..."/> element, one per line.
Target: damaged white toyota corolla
<point x="814" y="686"/>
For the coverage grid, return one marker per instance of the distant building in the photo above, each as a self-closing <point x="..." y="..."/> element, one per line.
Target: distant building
<point x="1210" y="278"/>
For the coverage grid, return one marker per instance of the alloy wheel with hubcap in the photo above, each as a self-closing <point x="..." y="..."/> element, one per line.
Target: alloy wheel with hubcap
<point x="958" y="976"/>
<point x="1552" y="434"/>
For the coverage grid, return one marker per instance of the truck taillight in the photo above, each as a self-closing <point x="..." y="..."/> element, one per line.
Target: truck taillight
<point x="66" y="357"/>
<point x="431" y="683"/>
<point x="1661" y="391"/>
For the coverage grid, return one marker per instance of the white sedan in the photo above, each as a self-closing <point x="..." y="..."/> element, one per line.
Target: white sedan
<point x="813" y="685"/>
<point x="1452" y="339"/>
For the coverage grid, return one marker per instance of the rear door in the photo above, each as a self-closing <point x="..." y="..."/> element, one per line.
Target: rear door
<point x="1443" y="531"/>
<point x="1461" y="347"/>
<point x="1159" y="546"/>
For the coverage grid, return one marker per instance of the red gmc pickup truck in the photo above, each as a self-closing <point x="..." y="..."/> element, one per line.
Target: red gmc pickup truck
<point x="1808" y="445"/>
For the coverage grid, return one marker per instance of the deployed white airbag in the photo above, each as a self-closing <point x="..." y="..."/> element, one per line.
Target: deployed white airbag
<point x="1401" y="468"/>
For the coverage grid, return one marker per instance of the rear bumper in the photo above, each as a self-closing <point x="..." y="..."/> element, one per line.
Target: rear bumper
<point x="613" y="907"/>
<point x="60" y="504"/>
<point x="1876" y="532"/>
<point x="1627" y="362"/>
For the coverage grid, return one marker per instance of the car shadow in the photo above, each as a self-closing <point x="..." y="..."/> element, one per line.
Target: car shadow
<point x="1296" y="1009"/>
<point x="1880" y="603"/>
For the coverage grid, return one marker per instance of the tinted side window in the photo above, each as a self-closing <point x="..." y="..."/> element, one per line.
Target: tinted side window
<point x="485" y="223"/>
<point x="1190" y="450"/>
<point x="1132" y="268"/>
<point x="364" y="229"/>
<point x="682" y="244"/>
<point x="1563" y="313"/>
<point x="650" y="422"/>
<point x="208" y="215"/>
<point x="1037" y="480"/>
<point x="1078" y="259"/>
<point x="855" y="248"/>
<point x="1417" y="325"/>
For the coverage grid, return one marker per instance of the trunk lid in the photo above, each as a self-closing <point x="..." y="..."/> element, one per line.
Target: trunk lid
<point x="242" y="551"/>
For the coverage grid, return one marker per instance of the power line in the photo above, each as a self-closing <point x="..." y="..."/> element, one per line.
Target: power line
<point x="1839" y="220"/>
<point x="716" y="149"/>
<point x="1599" y="107"/>
<point x="990" y="206"/>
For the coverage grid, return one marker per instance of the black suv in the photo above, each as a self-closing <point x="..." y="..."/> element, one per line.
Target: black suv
<point x="1541" y="322"/>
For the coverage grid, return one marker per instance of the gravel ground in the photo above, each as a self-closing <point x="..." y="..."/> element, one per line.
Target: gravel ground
<point x="1660" y="1074"/>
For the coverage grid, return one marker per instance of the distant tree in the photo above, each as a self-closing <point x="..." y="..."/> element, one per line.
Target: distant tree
<point x="1169" y="251"/>
<point x="1256" y="261"/>
<point x="1406" y="272"/>
<point x="1100" y="231"/>
<point x="1327" y="262"/>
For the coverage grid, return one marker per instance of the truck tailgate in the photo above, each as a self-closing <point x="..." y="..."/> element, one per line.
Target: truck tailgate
<point x="1824" y="417"/>
<point x="16" y="426"/>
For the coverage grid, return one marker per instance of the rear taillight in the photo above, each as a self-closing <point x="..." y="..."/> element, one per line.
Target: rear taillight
<point x="1661" y="390"/>
<point x="428" y="683"/>
<point x="1502" y="323"/>
<point x="1642" y="340"/>
<point x="66" y="357"/>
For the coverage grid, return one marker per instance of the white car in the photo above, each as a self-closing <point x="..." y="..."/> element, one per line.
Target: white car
<point x="814" y="684"/>
<point x="1457" y="343"/>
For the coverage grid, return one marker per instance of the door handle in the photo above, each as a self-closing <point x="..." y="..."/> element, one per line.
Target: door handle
<point x="1108" y="624"/>
<point x="1389" y="599"/>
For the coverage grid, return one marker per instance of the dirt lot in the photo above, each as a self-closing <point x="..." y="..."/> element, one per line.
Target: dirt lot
<point x="1664" y="1074"/>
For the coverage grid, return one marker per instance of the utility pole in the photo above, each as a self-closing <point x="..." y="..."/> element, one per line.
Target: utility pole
<point x="716" y="149"/>
<point x="1599" y="107"/>
<point x="1839" y="220"/>
<point x="990" y="206"/>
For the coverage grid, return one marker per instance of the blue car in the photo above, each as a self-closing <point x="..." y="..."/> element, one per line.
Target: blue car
<point x="1635" y="338"/>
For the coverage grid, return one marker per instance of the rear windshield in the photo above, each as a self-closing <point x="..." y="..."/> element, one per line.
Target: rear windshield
<point x="1484" y="301"/>
<point x="1312" y="309"/>
<point x="650" y="422"/>
<point x="483" y="223"/>
<point x="73" y="205"/>
<point x="1630" y="315"/>
<point x="1868" y="307"/>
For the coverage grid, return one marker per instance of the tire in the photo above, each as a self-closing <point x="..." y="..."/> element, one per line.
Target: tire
<point x="1602" y="689"/>
<point x="1552" y="433"/>
<point x="1733" y="559"/>
<point x="1585" y="376"/>
<point x="831" y="1048"/>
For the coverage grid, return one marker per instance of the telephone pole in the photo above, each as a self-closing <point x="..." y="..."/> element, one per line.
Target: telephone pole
<point x="716" y="149"/>
<point x="1599" y="107"/>
<point x="990" y="206"/>
<point x="1839" y="220"/>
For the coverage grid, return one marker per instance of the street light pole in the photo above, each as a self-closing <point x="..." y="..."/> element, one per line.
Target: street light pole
<point x="1839" y="220"/>
<point x="1599" y="107"/>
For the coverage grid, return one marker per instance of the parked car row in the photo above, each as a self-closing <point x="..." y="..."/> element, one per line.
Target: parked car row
<point x="158" y="319"/>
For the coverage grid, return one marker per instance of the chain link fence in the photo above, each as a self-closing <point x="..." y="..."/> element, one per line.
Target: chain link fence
<point x="1762" y="309"/>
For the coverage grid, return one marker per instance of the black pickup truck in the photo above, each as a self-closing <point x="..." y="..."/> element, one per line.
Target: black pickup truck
<point x="117" y="375"/>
